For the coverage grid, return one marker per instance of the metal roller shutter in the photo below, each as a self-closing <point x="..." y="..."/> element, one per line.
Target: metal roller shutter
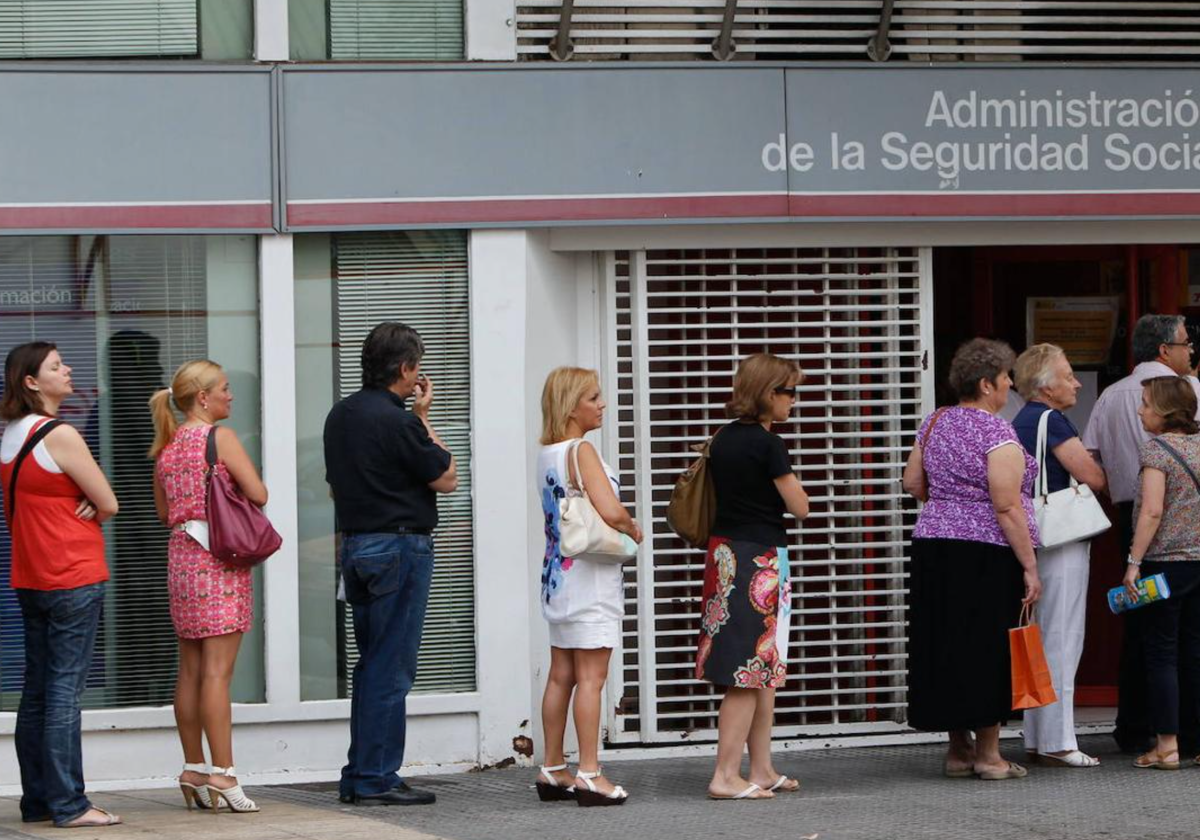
<point x="414" y="30"/>
<point x="677" y="324"/>
<point x="86" y="28"/>
<point x="420" y="279"/>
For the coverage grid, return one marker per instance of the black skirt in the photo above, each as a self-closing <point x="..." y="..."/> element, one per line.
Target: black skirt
<point x="964" y="598"/>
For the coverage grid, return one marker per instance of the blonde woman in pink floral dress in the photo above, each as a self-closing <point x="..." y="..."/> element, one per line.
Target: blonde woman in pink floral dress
<point x="211" y="602"/>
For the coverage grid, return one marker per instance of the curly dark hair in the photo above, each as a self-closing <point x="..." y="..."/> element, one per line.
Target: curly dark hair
<point x="387" y="347"/>
<point x="979" y="358"/>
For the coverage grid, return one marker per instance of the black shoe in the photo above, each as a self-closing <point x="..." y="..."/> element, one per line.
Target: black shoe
<point x="346" y="798"/>
<point x="402" y="795"/>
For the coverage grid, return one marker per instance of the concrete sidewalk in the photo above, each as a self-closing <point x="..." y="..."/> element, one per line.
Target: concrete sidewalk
<point x="871" y="793"/>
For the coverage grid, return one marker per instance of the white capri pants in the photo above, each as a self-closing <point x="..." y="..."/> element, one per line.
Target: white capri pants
<point x="1061" y="613"/>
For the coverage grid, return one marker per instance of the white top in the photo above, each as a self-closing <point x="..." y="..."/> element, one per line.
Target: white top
<point x="1115" y="431"/>
<point x="573" y="589"/>
<point x="15" y="435"/>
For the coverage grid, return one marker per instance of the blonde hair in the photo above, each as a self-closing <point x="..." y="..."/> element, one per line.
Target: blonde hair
<point x="190" y="379"/>
<point x="755" y="382"/>
<point x="564" y="388"/>
<point x="1031" y="373"/>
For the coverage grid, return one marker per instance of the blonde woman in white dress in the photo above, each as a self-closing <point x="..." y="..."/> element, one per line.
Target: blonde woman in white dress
<point x="582" y="600"/>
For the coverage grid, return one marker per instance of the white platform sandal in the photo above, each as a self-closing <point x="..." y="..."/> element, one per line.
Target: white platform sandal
<point x="234" y="797"/>
<point x="548" y="788"/>
<point x="191" y="793"/>
<point x="591" y="797"/>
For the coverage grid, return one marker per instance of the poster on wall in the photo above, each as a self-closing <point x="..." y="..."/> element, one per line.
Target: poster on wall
<point x="1082" y="326"/>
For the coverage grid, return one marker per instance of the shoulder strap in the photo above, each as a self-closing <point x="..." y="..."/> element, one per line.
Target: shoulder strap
<point x="210" y="447"/>
<point x="30" y="442"/>
<point x="573" y="455"/>
<point x="1174" y="453"/>
<point x="937" y="415"/>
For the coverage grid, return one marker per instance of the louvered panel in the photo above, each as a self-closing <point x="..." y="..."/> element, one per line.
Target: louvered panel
<point x="86" y="28"/>
<point x="416" y="30"/>
<point x="678" y="322"/>
<point x="125" y="311"/>
<point x="420" y="279"/>
<point x="921" y="29"/>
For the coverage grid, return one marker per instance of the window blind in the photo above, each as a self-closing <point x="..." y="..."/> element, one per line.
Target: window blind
<point x="87" y="28"/>
<point x="416" y="30"/>
<point x="420" y="278"/>
<point x="124" y="312"/>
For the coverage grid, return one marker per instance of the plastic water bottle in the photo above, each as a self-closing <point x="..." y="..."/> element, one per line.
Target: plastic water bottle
<point x="1150" y="589"/>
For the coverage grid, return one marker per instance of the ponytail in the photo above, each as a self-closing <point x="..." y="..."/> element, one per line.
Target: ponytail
<point x="165" y="422"/>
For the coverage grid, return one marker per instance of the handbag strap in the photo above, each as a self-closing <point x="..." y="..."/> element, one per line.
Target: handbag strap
<point x="33" y="440"/>
<point x="573" y="454"/>
<point x="937" y="415"/>
<point x="210" y="448"/>
<point x="1174" y="453"/>
<point x="1042" y="488"/>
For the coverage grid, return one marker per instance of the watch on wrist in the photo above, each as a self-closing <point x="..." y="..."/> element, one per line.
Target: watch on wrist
<point x="1132" y="562"/>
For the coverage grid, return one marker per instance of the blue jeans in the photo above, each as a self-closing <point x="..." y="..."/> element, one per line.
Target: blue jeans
<point x="387" y="580"/>
<point x="60" y="633"/>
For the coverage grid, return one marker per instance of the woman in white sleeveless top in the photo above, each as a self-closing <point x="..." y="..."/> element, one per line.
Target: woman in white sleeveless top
<point x="583" y="601"/>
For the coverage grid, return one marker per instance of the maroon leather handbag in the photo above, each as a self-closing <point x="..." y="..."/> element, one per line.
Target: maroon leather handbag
<point x="239" y="533"/>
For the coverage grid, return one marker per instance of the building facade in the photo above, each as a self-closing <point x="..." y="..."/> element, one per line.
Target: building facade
<point x="546" y="183"/>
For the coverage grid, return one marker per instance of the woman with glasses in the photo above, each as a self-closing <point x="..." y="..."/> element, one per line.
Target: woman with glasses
<point x="747" y="596"/>
<point x="972" y="555"/>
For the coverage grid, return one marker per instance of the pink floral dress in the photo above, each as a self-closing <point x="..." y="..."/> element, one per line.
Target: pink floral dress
<point x="208" y="598"/>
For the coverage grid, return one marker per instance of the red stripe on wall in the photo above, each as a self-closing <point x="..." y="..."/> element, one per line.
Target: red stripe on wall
<point x="138" y="217"/>
<point x="666" y="208"/>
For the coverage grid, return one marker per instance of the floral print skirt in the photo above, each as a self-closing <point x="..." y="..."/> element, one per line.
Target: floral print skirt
<point x="744" y="615"/>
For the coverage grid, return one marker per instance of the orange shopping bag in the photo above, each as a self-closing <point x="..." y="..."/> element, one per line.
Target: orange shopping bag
<point x="1031" y="684"/>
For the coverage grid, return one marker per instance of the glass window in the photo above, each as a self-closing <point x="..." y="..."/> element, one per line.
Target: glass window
<point x="214" y="30"/>
<point x="385" y="30"/>
<point x="125" y="311"/>
<point x="345" y="285"/>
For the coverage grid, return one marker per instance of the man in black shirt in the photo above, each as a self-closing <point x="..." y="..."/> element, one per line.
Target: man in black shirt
<point x="385" y="466"/>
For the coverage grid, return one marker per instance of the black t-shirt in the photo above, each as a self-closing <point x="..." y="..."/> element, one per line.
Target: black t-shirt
<point x="379" y="460"/>
<point x="745" y="460"/>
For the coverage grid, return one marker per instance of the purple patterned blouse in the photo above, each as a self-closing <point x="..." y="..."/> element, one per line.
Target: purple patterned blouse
<point x="955" y="461"/>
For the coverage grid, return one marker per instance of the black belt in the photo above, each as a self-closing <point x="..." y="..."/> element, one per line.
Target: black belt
<point x="403" y="532"/>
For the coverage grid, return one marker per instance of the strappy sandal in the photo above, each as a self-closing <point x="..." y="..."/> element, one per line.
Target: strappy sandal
<point x="550" y="790"/>
<point x="1144" y="762"/>
<point x="234" y="796"/>
<point x="109" y="819"/>
<point x="748" y="793"/>
<point x="191" y="792"/>
<point x="592" y="797"/>
<point x="782" y="784"/>
<point x="1075" y="758"/>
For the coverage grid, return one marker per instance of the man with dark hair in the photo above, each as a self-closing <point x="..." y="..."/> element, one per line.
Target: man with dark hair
<point x="1114" y="435"/>
<point x="385" y="466"/>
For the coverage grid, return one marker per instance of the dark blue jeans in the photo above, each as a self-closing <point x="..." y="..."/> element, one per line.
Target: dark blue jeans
<point x="1172" y="631"/>
<point x="60" y="633"/>
<point x="387" y="580"/>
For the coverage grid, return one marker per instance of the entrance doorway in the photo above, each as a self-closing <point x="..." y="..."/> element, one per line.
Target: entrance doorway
<point x="1086" y="299"/>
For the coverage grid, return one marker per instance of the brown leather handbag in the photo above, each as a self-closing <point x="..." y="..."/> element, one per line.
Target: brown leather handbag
<point x="693" y="506"/>
<point x="239" y="533"/>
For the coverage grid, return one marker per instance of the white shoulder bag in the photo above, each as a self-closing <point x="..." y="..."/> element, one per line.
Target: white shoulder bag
<point x="582" y="532"/>
<point x="1067" y="515"/>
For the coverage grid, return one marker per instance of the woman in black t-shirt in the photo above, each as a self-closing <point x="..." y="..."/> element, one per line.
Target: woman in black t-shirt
<point x="747" y="595"/>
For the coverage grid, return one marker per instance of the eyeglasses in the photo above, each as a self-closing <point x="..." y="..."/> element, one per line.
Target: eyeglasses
<point x="1179" y="343"/>
<point x="791" y="392"/>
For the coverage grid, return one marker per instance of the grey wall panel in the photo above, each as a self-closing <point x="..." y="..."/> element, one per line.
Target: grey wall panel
<point x="83" y="141"/>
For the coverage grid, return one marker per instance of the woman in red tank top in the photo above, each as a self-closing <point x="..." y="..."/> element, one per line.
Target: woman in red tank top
<point x="55" y="498"/>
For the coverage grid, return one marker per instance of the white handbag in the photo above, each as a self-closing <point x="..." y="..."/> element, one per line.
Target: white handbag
<point x="583" y="533"/>
<point x="1067" y="515"/>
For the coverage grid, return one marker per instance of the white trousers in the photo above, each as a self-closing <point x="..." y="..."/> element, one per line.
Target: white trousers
<point x="1061" y="614"/>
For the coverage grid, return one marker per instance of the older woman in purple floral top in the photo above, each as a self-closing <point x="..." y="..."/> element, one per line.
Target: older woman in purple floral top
<point x="972" y="557"/>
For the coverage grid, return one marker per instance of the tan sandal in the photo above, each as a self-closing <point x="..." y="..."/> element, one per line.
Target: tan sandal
<point x="109" y="819"/>
<point x="1154" y="761"/>
<point x="1014" y="771"/>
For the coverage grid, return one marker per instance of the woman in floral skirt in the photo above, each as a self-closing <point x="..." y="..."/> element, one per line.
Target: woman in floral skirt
<point x="747" y="595"/>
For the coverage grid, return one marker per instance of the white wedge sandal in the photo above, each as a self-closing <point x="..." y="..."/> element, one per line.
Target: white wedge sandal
<point x="234" y="797"/>
<point x="191" y="793"/>
<point x="548" y="788"/>
<point x="591" y="797"/>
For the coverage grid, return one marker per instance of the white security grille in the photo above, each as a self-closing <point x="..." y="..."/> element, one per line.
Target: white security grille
<point x="677" y="324"/>
<point x="420" y="279"/>
<point x="921" y="30"/>
<point x="86" y="28"/>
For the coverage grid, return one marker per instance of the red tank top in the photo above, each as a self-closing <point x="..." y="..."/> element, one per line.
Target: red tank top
<point x="52" y="548"/>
